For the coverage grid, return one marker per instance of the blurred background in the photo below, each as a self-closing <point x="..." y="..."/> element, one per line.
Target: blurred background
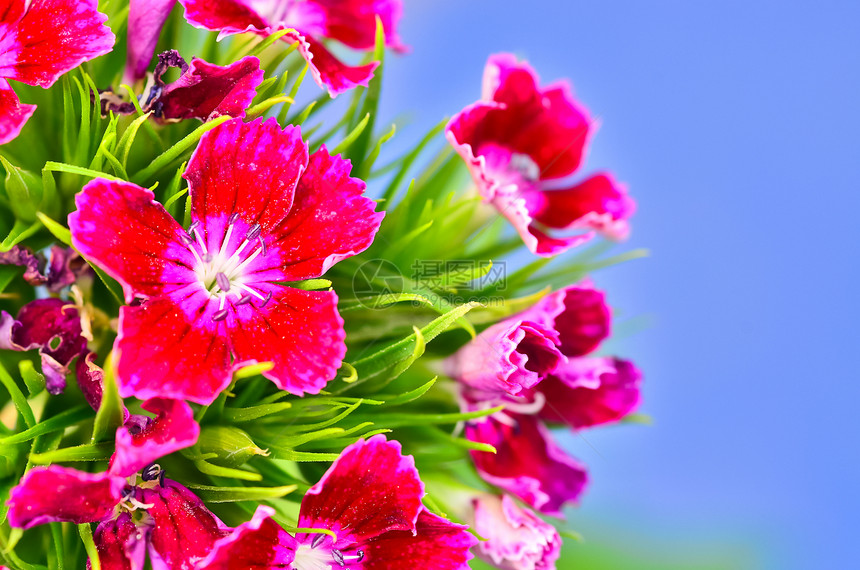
<point x="735" y="125"/>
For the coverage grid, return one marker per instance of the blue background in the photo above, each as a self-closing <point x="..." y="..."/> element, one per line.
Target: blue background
<point x="735" y="125"/>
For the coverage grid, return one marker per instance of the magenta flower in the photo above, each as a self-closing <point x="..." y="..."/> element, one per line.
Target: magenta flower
<point x="39" y="41"/>
<point x="528" y="463"/>
<point x="350" y="22"/>
<point x="158" y="515"/>
<point x="141" y="440"/>
<point x="63" y="269"/>
<point x="513" y="364"/>
<point x="371" y="499"/>
<point x="52" y="326"/>
<point x="516" y="539"/>
<point x="517" y="140"/>
<point x="210" y="299"/>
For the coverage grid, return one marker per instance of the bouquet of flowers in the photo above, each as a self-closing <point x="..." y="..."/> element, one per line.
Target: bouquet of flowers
<point x="231" y="338"/>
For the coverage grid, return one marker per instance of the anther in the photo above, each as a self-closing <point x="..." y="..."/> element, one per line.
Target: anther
<point x="186" y="239"/>
<point x="254" y="232"/>
<point x="317" y="540"/>
<point x="267" y="299"/>
<point x="263" y="245"/>
<point x="220" y="315"/>
<point x="151" y="472"/>
<point x="244" y="299"/>
<point x="233" y="217"/>
<point x="338" y="556"/>
<point x="193" y="227"/>
<point x="223" y="281"/>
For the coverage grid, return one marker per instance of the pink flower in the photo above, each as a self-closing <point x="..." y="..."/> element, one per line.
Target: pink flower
<point x="350" y="22"/>
<point x="142" y="440"/>
<point x="516" y="539"/>
<point x="501" y="367"/>
<point x="370" y="499"/>
<point x="208" y="300"/>
<point x="39" y="41"/>
<point x="65" y="266"/>
<point x="158" y="515"/>
<point x="52" y="326"/>
<point x="518" y="139"/>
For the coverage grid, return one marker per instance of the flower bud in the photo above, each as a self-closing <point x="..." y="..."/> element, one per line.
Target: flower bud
<point x="233" y="446"/>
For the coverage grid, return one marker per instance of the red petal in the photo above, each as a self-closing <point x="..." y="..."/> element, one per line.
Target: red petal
<point x="599" y="203"/>
<point x="436" y="540"/>
<point x="205" y="90"/>
<point x="260" y="543"/>
<point x="579" y="314"/>
<point x="354" y="22"/>
<point x="123" y="229"/>
<point x="330" y="220"/>
<point x="301" y="332"/>
<point x="51" y="38"/>
<point x="528" y="463"/>
<point x="121" y="544"/>
<point x="369" y="490"/>
<point x="591" y="391"/>
<point x="172" y="429"/>
<point x="328" y="71"/>
<point x="172" y="351"/>
<point x="548" y="125"/>
<point x="50" y="494"/>
<point x="185" y="530"/>
<point x="13" y="115"/>
<point x="250" y="169"/>
<point x="227" y="16"/>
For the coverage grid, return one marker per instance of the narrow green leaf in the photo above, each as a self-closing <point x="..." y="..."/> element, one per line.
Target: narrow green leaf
<point x="282" y="116"/>
<point x="352" y="136"/>
<point x="22" y="188"/>
<point x="269" y="40"/>
<point x="59" y="231"/>
<point x="33" y="379"/>
<point x="415" y="419"/>
<point x="18" y="398"/>
<point x="128" y="136"/>
<point x="86" y="452"/>
<point x="358" y="150"/>
<point x="407" y="161"/>
<point x="86" y="534"/>
<point x="264" y="106"/>
<point x="407" y="397"/>
<point x="72" y="169"/>
<point x="219" y="471"/>
<point x="390" y="355"/>
<point x="241" y="415"/>
<point x="21" y="230"/>
<point x="403" y="365"/>
<point x="173" y="153"/>
<point x="363" y="172"/>
<point x="210" y="494"/>
<point x="111" y="410"/>
<point x="59" y="422"/>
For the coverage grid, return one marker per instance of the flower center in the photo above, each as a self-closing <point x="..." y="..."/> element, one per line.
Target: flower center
<point x="222" y="266"/>
<point x="318" y="555"/>
<point x="527" y="168"/>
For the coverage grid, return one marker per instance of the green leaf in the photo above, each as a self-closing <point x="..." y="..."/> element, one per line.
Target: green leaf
<point x="21" y="230"/>
<point x="7" y="274"/>
<point x="358" y="151"/>
<point x="18" y="398"/>
<point x="640" y="419"/>
<point x="210" y="494"/>
<point x="231" y="446"/>
<point x="407" y="397"/>
<point x="128" y="137"/>
<point x="86" y="534"/>
<point x="111" y="410"/>
<point x="269" y="40"/>
<point x="59" y="231"/>
<point x="24" y="191"/>
<point x="407" y="161"/>
<point x="33" y="379"/>
<point x="264" y="106"/>
<point x="219" y="471"/>
<point x="241" y="415"/>
<point x="343" y="145"/>
<point x="86" y="452"/>
<point x="387" y="357"/>
<point x="163" y="160"/>
<point x="415" y="419"/>
<point x="72" y="169"/>
<point x="59" y="422"/>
